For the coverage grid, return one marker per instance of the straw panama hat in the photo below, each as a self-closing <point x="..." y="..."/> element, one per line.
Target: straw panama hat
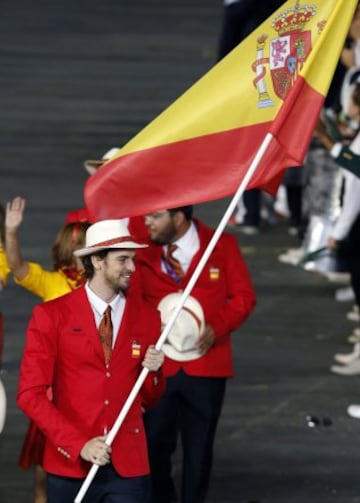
<point x="189" y="324"/>
<point x="107" y="234"/>
<point x="92" y="166"/>
<point x="2" y="406"/>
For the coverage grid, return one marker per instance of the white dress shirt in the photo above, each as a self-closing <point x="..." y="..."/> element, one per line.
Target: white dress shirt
<point x="187" y="246"/>
<point x="99" y="306"/>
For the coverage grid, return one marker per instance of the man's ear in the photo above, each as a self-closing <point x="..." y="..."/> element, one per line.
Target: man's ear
<point x="178" y="219"/>
<point x="96" y="262"/>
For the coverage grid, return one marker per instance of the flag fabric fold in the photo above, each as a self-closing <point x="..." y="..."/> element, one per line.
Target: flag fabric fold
<point x="201" y="146"/>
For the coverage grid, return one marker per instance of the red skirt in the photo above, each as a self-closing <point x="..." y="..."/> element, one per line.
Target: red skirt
<point x="32" y="452"/>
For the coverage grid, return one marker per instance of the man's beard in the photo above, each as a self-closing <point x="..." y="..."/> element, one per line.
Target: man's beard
<point x="166" y="236"/>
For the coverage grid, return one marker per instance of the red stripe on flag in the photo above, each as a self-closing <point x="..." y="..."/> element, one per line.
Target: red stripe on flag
<point x="207" y="167"/>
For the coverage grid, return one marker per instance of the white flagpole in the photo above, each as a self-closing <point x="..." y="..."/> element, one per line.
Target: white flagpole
<point x="209" y="249"/>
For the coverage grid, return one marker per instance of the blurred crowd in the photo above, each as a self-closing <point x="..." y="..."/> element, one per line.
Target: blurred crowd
<point x="320" y="201"/>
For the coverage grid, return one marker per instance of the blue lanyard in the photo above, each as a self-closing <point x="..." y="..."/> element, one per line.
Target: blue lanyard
<point x="170" y="270"/>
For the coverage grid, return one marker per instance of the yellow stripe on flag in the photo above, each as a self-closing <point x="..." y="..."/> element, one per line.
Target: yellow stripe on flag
<point x="226" y="98"/>
<point x="201" y="147"/>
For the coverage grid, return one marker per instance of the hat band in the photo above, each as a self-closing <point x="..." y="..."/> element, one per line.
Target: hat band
<point x="196" y="318"/>
<point x="114" y="241"/>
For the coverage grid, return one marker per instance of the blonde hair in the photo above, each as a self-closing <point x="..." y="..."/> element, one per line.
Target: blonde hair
<point x="69" y="238"/>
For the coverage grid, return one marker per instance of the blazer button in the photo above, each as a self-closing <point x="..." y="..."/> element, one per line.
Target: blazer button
<point x="137" y="430"/>
<point x="106" y="402"/>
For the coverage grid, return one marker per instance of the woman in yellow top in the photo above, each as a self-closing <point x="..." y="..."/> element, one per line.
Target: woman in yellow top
<point x="67" y="272"/>
<point x="65" y="276"/>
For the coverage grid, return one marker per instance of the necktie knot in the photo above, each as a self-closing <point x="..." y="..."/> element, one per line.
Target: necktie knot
<point x="170" y="250"/>
<point x="107" y="316"/>
<point x="173" y="265"/>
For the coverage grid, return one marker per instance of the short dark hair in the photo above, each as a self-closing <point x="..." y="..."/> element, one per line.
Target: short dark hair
<point x="187" y="210"/>
<point x="88" y="265"/>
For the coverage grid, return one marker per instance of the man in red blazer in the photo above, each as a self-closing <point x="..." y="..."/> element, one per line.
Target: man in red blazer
<point x="90" y="384"/>
<point x="195" y="385"/>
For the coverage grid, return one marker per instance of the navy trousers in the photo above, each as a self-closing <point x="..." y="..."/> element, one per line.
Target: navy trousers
<point x="107" y="487"/>
<point x="191" y="406"/>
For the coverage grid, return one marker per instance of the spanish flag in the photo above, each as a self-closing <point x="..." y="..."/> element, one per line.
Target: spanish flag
<point x="201" y="146"/>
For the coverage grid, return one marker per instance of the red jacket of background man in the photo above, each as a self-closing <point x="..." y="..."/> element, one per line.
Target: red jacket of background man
<point x="224" y="289"/>
<point x="63" y="349"/>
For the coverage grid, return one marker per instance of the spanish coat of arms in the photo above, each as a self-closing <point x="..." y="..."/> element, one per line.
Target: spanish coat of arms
<point x="287" y="52"/>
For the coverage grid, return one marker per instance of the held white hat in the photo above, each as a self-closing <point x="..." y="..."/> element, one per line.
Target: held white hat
<point x="107" y="234"/>
<point x="2" y="406"/>
<point x="92" y="166"/>
<point x="189" y="324"/>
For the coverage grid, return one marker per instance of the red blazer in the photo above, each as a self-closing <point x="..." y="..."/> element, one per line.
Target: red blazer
<point x="224" y="289"/>
<point x="63" y="350"/>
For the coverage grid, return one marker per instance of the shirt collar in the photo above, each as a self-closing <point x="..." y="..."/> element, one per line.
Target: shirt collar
<point x="188" y="239"/>
<point x="99" y="304"/>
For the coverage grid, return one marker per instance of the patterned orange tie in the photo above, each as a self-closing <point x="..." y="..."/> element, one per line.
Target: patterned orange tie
<point x="175" y="270"/>
<point x="106" y="334"/>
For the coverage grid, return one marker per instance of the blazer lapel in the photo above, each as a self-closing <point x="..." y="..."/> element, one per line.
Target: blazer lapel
<point x="84" y="319"/>
<point x="126" y="336"/>
<point x="204" y="236"/>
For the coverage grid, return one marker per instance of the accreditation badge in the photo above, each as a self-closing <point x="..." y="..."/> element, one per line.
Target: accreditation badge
<point x="214" y="273"/>
<point x="135" y="350"/>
